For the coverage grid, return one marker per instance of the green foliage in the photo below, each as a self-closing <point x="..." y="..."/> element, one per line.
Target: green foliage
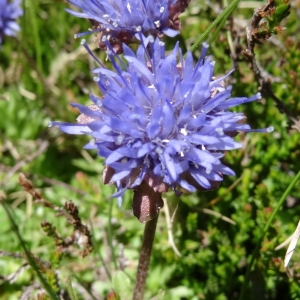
<point x="121" y="285"/>
<point x="45" y="69"/>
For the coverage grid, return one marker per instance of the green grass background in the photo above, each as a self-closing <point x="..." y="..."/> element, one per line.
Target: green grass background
<point x="44" y="69"/>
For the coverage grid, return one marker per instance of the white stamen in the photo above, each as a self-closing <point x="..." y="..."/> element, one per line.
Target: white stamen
<point x="220" y="131"/>
<point x="152" y="86"/>
<point x="119" y="140"/>
<point x="158" y="150"/>
<point x="208" y="169"/>
<point x="151" y="39"/>
<point x="162" y="9"/>
<point x="157" y="24"/>
<point x="115" y="24"/>
<point x="138" y="181"/>
<point x="183" y="131"/>
<point x="147" y="161"/>
<point x="135" y="116"/>
<point x="128" y="7"/>
<point x="186" y="94"/>
<point x="205" y="45"/>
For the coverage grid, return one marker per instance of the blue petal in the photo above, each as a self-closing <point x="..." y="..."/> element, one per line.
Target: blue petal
<point x="202" y="180"/>
<point x="186" y="185"/>
<point x="130" y="164"/>
<point x="168" y="120"/>
<point x="120" y="153"/>
<point x="169" y="163"/>
<point x="71" y="128"/>
<point x="145" y="149"/>
<point x="140" y="68"/>
<point x="120" y="175"/>
<point x="224" y="170"/>
<point x="199" y="156"/>
<point x="215" y="101"/>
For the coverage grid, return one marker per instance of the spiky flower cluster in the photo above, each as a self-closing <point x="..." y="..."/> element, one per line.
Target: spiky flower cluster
<point x="119" y="21"/>
<point x="9" y="12"/>
<point x="163" y="121"/>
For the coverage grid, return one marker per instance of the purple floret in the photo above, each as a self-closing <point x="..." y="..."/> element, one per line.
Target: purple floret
<point x="9" y="12"/>
<point x="161" y="119"/>
<point x="122" y="21"/>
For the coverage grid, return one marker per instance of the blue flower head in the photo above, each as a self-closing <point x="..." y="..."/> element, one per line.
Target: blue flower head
<point x="9" y="12"/>
<point x="120" y="20"/>
<point x="162" y="122"/>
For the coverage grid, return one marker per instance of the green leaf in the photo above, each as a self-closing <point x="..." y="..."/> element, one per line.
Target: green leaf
<point x="121" y="285"/>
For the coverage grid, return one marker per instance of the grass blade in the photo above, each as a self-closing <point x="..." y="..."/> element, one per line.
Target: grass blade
<point x="224" y="15"/>
<point x="28" y="255"/>
<point x="256" y="250"/>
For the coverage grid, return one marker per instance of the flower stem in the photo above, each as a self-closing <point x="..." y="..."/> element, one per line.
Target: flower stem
<point x="142" y="271"/>
<point x="110" y="237"/>
<point x="70" y="289"/>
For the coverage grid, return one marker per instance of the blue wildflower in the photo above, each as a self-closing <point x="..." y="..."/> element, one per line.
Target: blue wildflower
<point x="9" y="12"/>
<point x="163" y="121"/>
<point x="119" y="20"/>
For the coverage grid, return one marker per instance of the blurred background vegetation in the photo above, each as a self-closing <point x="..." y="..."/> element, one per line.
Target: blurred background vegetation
<point x="200" y="253"/>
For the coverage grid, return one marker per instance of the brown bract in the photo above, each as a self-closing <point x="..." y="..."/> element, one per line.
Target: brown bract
<point x="174" y="12"/>
<point x="116" y="41"/>
<point x="146" y="203"/>
<point x="147" y="197"/>
<point x="84" y="119"/>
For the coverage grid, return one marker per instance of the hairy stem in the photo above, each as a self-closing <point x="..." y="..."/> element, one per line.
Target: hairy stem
<point x="142" y="271"/>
